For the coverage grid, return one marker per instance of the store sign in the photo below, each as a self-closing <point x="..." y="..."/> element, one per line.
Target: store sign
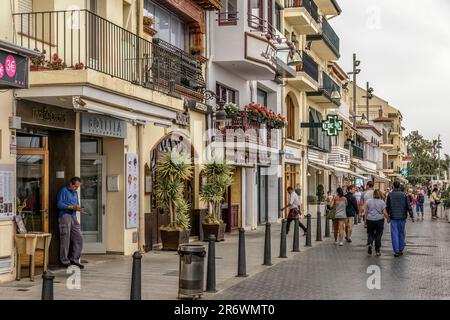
<point x="292" y="155"/>
<point x="332" y="125"/>
<point x="104" y="126"/>
<point x="182" y="119"/>
<point x="13" y="71"/>
<point x="46" y="115"/>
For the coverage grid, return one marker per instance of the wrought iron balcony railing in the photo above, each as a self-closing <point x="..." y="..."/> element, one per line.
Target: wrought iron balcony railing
<point x="309" y="66"/>
<point x="309" y="5"/>
<point x="330" y="35"/>
<point x="82" y="39"/>
<point x="329" y="85"/>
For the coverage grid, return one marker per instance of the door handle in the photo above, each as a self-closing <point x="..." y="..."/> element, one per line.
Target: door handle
<point x="103" y="210"/>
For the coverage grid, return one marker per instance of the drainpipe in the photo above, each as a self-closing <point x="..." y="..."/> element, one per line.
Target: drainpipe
<point x="141" y="238"/>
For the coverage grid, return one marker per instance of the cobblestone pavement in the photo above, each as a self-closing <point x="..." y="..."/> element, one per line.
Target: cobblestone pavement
<point x="332" y="272"/>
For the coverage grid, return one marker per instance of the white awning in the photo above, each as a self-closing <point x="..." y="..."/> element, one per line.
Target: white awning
<point x="350" y="172"/>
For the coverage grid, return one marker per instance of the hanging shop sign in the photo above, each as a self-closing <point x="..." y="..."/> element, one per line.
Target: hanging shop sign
<point x="13" y="71"/>
<point x="104" y="126"/>
<point x="332" y="125"/>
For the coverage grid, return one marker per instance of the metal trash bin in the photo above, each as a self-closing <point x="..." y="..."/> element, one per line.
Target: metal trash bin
<point x="192" y="268"/>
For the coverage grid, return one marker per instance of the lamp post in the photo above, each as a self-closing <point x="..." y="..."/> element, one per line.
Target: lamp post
<point x="355" y="71"/>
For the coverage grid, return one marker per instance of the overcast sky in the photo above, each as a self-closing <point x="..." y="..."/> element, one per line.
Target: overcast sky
<point x="404" y="48"/>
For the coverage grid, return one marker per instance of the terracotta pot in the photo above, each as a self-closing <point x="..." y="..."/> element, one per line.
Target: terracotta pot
<point x="171" y="240"/>
<point x="216" y="229"/>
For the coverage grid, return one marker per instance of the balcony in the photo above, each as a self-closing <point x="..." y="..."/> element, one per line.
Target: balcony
<point x="307" y="78"/>
<point x="324" y="96"/>
<point x="303" y="15"/>
<point x="329" y="7"/>
<point x="357" y="152"/>
<point x="245" y="142"/>
<point x="326" y="43"/>
<point x="209" y="4"/>
<point x="394" y="152"/>
<point x="86" y="41"/>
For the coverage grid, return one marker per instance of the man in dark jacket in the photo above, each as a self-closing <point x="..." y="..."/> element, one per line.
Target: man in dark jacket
<point x="352" y="211"/>
<point x="398" y="207"/>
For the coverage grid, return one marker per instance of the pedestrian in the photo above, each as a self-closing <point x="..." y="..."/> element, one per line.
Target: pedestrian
<point x="368" y="194"/>
<point x="420" y="200"/>
<point x="293" y="210"/>
<point x="352" y="212"/>
<point x="339" y="203"/>
<point x="376" y="213"/>
<point x="358" y="195"/>
<point x="398" y="208"/>
<point x="69" y="227"/>
<point x="435" y="200"/>
<point x="412" y="202"/>
<point x="429" y="192"/>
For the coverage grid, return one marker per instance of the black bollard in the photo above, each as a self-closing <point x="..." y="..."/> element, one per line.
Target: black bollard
<point x="267" y="248"/>
<point x="319" y="227"/>
<point x="47" y="285"/>
<point x="327" y="227"/>
<point x="296" y="244"/>
<point x="308" y="233"/>
<point x="283" y="239"/>
<point x="136" y="288"/>
<point x="242" y="267"/>
<point x="211" y="271"/>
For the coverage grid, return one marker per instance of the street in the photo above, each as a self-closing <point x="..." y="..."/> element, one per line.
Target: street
<point x="332" y="272"/>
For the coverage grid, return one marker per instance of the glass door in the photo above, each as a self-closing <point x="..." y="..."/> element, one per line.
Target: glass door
<point x="263" y="213"/>
<point x="92" y="191"/>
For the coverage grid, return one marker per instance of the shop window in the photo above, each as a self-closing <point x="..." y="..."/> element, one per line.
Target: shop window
<point x="90" y="146"/>
<point x="226" y="93"/>
<point x="290" y="118"/>
<point x="29" y="141"/>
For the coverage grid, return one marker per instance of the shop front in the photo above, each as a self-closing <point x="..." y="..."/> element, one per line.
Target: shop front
<point x="292" y="171"/>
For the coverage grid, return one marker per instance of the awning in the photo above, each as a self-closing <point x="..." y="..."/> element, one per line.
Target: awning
<point x="129" y="116"/>
<point x="320" y="166"/>
<point x="350" y="172"/>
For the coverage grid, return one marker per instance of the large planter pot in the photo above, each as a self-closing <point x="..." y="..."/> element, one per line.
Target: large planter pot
<point x="216" y="229"/>
<point x="313" y="208"/>
<point x="171" y="240"/>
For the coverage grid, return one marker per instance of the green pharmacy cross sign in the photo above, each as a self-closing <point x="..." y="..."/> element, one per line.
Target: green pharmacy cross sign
<point x="332" y="125"/>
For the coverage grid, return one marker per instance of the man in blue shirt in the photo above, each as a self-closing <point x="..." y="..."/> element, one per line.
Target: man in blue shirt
<point x="69" y="227"/>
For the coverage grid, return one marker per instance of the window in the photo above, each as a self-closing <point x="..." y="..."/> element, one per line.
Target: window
<point x="277" y="16"/>
<point x="227" y="94"/>
<point x="261" y="97"/>
<point x="290" y="118"/>
<point x="317" y="137"/>
<point x="169" y="27"/>
<point x="228" y="12"/>
<point x="90" y="145"/>
<point x="256" y="14"/>
<point x="92" y="6"/>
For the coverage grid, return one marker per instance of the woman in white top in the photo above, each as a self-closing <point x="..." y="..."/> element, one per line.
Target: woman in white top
<point x="340" y="204"/>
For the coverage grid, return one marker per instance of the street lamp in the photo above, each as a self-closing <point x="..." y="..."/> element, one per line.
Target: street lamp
<point x="355" y="71"/>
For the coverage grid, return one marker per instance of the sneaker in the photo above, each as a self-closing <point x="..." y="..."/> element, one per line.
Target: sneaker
<point x="378" y="253"/>
<point x="349" y="240"/>
<point x="341" y="244"/>
<point x="336" y="242"/>
<point x="400" y="253"/>
<point x="369" y="250"/>
<point x="396" y="255"/>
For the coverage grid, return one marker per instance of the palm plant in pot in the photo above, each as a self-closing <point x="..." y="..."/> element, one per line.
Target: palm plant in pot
<point x="219" y="176"/>
<point x="174" y="169"/>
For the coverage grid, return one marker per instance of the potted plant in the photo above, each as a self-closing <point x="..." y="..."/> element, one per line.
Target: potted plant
<point x="311" y="201"/>
<point x="56" y="63"/>
<point x="38" y="63"/>
<point x="219" y="176"/>
<point x="232" y="110"/>
<point x="173" y="170"/>
<point x="320" y="193"/>
<point x="148" y="21"/>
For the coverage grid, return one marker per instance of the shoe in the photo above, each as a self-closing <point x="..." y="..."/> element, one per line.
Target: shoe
<point x="396" y="255"/>
<point x="64" y="265"/>
<point x="346" y="239"/>
<point x="336" y="242"/>
<point x="341" y="244"/>
<point x="369" y="250"/>
<point x="400" y="253"/>
<point x="79" y="265"/>
<point x="378" y="253"/>
<point x="349" y="240"/>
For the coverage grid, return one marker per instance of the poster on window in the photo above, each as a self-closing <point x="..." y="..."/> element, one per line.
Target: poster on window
<point x="132" y="182"/>
<point x="6" y="194"/>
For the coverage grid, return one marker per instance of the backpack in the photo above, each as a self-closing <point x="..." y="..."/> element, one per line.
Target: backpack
<point x="421" y="198"/>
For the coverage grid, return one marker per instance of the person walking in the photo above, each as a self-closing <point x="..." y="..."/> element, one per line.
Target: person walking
<point x="420" y="200"/>
<point x="435" y="200"/>
<point x="339" y="203"/>
<point x="293" y="210"/>
<point x="358" y="195"/>
<point x="367" y="195"/>
<point x="352" y="212"/>
<point x="397" y="207"/>
<point x="69" y="227"/>
<point x="376" y="214"/>
<point x="412" y="203"/>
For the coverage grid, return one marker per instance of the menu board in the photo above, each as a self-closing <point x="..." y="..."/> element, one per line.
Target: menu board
<point x="6" y="194"/>
<point x="132" y="182"/>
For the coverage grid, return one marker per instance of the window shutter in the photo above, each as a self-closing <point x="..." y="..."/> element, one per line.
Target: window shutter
<point x="25" y="6"/>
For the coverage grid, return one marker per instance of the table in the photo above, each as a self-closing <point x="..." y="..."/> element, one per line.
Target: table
<point x="27" y="244"/>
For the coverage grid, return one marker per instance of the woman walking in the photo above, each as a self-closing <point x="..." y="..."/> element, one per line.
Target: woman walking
<point x="434" y="203"/>
<point x="339" y="203"/>
<point x="375" y="211"/>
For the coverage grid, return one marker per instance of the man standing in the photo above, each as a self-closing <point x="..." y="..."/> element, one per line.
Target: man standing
<point x="69" y="227"/>
<point x="352" y="212"/>
<point x="398" y="208"/>
<point x="293" y="210"/>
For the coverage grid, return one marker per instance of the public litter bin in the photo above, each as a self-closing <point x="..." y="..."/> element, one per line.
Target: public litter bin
<point x="192" y="268"/>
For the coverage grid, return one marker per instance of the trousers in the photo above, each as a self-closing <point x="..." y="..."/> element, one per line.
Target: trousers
<point x="398" y="235"/>
<point x="70" y="234"/>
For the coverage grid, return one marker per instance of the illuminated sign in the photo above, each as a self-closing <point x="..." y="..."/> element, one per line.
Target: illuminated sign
<point x="13" y="71"/>
<point x="332" y="125"/>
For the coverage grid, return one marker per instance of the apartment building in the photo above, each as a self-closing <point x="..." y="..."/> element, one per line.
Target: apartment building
<point x="115" y="87"/>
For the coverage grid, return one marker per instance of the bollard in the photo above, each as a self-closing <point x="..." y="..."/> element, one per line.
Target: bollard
<point x="242" y="267"/>
<point x="308" y="234"/>
<point x="267" y="252"/>
<point x="211" y="271"/>
<point x="283" y="239"/>
<point x="136" y="290"/>
<point x="296" y="244"/>
<point x="319" y="227"/>
<point x="327" y="227"/>
<point x="47" y="285"/>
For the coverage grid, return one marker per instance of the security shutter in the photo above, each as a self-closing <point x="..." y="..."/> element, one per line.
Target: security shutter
<point x="25" y="23"/>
